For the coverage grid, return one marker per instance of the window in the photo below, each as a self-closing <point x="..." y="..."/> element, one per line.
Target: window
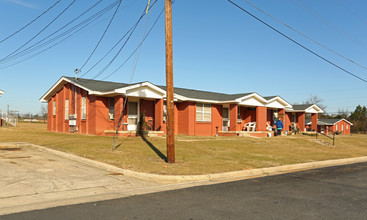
<point x="54" y="108"/>
<point x="239" y="119"/>
<point x="164" y="111"/>
<point x="342" y="127"/>
<point x="84" y="108"/>
<point x="203" y="112"/>
<point x="111" y="114"/>
<point x="336" y="127"/>
<point x="66" y="109"/>
<point x="347" y="127"/>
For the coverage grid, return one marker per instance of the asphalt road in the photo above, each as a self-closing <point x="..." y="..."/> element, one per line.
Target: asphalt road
<point x="328" y="193"/>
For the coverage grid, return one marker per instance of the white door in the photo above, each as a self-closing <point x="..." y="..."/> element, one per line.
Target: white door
<point x="225" y="117"/>
<point x="132" y="115"/>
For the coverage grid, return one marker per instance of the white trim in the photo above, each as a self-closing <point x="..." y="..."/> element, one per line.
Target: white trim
<point x="312" y="109"/>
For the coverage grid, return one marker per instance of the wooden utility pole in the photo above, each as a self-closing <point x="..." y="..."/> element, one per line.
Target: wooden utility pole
<point x="169" y="85"/>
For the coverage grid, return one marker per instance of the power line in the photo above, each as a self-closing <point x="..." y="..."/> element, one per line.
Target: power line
<point x="35" y="46"/>
<point x="105" y="31"/>
<point x="329" y="23"/>
<point x="122" y="47"/>
<point x="73" y="32"/>
<point x="314" y="53"/>
<point x="304" y="35"/>
<point x="2" y="60"/>
<point x="25" y="26"/>
<point x="136" y="49"/>
<point x="352" y="11"/>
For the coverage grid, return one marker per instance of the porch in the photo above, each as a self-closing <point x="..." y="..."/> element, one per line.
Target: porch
<point x="246" y="133"/>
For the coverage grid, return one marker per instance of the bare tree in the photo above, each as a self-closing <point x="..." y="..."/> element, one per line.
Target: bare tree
<point x="44" y="112"/>
<point x="314" y="99"/>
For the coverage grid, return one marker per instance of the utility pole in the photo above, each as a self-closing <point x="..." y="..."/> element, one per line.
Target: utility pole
<point x="169" y="85"/>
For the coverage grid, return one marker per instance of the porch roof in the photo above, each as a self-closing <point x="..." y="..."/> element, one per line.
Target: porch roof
<point x="307" y="108"/>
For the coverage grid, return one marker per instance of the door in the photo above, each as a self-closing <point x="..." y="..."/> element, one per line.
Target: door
<point x="132" y="115"/>
<point x="322" y="129"/>
<point x="225" y="117"/>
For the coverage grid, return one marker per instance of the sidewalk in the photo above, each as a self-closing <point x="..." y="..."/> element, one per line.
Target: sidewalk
<point x="35" y="177"/>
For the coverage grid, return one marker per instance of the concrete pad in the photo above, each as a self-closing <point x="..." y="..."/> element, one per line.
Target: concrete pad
<point x="30" y="178"/>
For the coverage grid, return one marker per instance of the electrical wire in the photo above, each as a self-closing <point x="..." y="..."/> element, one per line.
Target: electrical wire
<point x="2" y="60"/>
<point x="136" y="49"/>
<point x="73" y="32"/>
<point x="35" y="46"/>
<point x="329" y="23"/>
<point x="104" y="33"/>
<point x="352" y="11"/>
<point x="75" y="29"/>
<point x="314" y="53"/>
<point x="122" y="47"/>
<point x="304" y="35"/>
<point x="131" y="79"/>
<point x="25" y="26"/>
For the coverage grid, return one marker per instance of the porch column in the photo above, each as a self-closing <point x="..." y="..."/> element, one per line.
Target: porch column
<point x="287" y="120"/>
<point x="314" y="121"/>
<point x="301" y="116"/>
<point x="282" y="118"/>
<point x="119" y="103"/>
<point x="233" y="108"/>
<point x="261" y="116"/>
<point x="158" y="114"/>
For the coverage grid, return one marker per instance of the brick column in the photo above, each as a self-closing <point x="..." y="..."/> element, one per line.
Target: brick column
<point x="233" y="108"/>
<point x="301" y="116"/>
<point x="158" y="114"/>
<point x="314" y="121"/>
<point x="288" y="123"/>
<point x="261" y="116"/>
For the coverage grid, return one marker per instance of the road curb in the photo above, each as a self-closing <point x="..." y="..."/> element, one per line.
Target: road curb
<point x="241" y="174"/>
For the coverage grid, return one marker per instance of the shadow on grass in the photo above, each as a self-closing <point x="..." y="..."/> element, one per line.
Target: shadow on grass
<point x="160" y="154"/>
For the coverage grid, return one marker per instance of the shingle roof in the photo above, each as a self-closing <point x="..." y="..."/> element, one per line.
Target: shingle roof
<point x="103" y="86"/>
<point x="327" y="121"/>
<point x="97" y="85"/>
<point x="198" y="94"/>
<point x="301" y="107"/>
<point x="269" y="97"/>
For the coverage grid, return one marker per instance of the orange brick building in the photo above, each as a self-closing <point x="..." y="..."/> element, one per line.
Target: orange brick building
<point x="328" y="126"/>
<point x="94" y="107"/>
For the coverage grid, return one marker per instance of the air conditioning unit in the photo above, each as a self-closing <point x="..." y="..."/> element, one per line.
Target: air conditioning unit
<point x="111" y="116"/>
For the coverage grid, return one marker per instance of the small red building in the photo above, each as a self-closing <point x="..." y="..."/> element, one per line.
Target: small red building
<point x="94" y="107"/>
<point x="328" y="126"/>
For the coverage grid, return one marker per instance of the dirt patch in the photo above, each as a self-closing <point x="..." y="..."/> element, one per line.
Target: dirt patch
<point x="10" y="148"/>
<point x="115" y="174"/>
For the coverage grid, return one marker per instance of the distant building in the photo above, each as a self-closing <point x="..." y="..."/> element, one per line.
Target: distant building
<point x="328" y="126"/>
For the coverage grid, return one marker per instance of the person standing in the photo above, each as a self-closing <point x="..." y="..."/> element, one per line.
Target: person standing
<point x="279" y="125"/>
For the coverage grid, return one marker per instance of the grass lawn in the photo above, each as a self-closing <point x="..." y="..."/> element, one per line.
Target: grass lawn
<point x="194" y="155"/>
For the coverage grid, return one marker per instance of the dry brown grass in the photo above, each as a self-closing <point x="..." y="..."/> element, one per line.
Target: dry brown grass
<point x="194" y="155"/>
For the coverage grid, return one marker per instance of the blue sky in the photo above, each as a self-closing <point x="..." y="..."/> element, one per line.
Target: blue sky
<point x="217" y="47"/>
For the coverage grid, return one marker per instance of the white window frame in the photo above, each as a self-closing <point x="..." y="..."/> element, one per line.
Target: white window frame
<point x="54" y="108"/>
<point x="111" y="116"/>
<point x="239" y="118"/>
<point x="67" y="107"/>
<point x="342" y="127"/>
<point x="164" y="111"/>
<point x="84" y="107"/>
<point x="347" y="127"/>
<point x="336" y="127"/>
<point x="203" y="112"/>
